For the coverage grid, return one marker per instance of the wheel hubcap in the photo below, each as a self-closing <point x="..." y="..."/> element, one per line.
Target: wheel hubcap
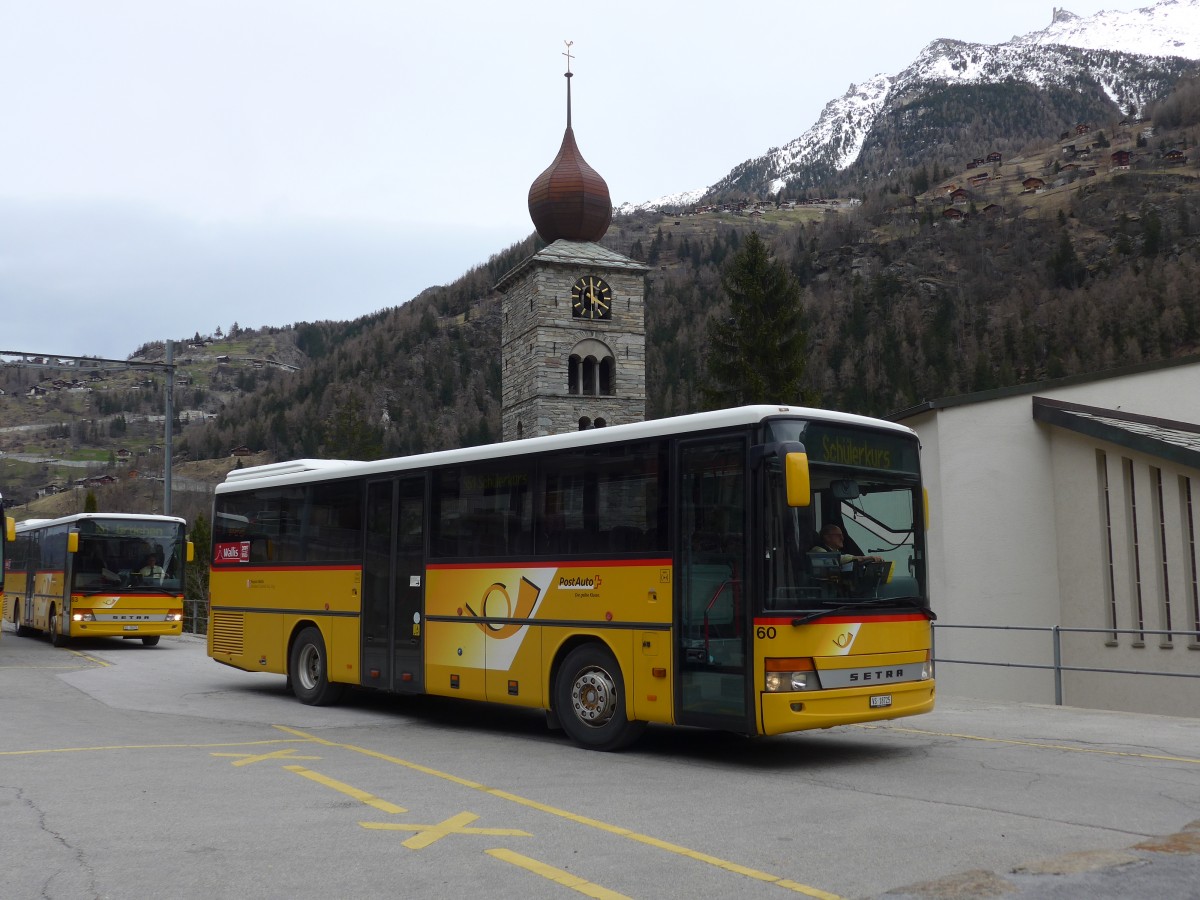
<point x="593" y="696"/>
<point x="310" y="668"/>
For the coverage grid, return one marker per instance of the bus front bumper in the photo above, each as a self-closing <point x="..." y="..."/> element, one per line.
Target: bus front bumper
<point x="802" y="710"/>
<point x="127" y="630"/>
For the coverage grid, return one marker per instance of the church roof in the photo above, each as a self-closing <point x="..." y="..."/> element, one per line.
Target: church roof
<point x="573" y="253"/>
<point x="570" y="200"/>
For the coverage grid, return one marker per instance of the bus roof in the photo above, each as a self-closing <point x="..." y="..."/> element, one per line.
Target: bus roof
<point x="30" y="524"/>
<point x="304" y="470"/>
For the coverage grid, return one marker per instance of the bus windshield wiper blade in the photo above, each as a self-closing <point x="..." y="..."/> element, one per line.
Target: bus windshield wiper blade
<point x="841" y="607"/>
<point x="914" y="602"/>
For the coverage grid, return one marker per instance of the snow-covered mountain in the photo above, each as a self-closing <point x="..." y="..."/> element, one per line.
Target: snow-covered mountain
<point x="1169" y="28"/>
<point x="1121" y="51"/>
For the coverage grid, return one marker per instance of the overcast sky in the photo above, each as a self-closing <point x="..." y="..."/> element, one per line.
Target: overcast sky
<point x="171" y="166"/>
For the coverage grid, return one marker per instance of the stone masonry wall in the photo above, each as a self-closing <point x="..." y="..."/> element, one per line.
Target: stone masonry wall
<point x="537" y="339"/>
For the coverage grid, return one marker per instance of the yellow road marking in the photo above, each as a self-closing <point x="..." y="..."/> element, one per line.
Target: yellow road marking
<point x="566" y="879"/>
<point x="342" y="787"/>
<point x="246" y="759"/>
<point x="1037" y="744"/>
<point x="581" y="820"/>
<point x="91" y="659"/>
<point x="141" y="747"/>
<point x="31" y="668"/>
<point x="428" y="834"/>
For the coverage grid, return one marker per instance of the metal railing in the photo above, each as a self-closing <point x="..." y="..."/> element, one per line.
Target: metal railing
<point x="195" y="616"/>
<point x="1056" y="632"/>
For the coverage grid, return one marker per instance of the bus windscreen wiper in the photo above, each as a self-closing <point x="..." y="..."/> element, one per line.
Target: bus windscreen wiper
<point x="875" y="602"/>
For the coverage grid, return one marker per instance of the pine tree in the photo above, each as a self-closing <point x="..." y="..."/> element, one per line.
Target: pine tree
<point x="757" y="354"/>
<point x="196" y="588"/>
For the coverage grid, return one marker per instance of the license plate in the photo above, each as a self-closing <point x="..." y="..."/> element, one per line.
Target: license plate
<point x="881" y="700"/>
<point x="135" y="628"/>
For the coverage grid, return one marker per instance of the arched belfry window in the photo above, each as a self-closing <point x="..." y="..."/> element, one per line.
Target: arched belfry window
<point x="608" y="376"/>
<point x="591" y="369"/>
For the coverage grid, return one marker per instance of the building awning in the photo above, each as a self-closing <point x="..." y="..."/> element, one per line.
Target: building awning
<point x="1176" y="442"/>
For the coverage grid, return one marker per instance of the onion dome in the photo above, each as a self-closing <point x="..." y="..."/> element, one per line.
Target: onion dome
<point x="570" y="201"/>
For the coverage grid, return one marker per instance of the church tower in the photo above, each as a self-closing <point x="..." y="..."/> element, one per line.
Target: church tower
<point x="573" y="339"/>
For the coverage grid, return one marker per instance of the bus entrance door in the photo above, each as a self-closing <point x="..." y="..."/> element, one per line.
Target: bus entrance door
<point x="393" y="601"/>
<point x="710" y="568"/>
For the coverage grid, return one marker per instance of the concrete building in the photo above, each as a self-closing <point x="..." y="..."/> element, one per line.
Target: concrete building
<point x="1071" y="504"/>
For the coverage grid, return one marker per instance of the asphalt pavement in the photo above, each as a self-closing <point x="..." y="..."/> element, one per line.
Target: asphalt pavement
<point x="128" y="771"/>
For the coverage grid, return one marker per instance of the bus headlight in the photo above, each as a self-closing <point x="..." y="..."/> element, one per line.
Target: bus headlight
<point x="175" y="615"/>
<point x="790" y="674"/>
<point x="85" y="615"/>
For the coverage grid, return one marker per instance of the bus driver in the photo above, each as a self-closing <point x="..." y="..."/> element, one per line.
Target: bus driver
<point x="832" y="539"/>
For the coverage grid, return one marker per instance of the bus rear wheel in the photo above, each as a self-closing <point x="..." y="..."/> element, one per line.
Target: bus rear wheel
<point x="23" y="630"/>
<point x="589" y="700"/>
<point x="308" y="670"/>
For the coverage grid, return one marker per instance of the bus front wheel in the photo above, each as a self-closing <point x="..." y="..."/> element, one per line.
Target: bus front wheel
<point x="150" y="641"/>
<point x="308" y="670"/>
<point x="589" y="700"/>
<point x="57" y="638"/>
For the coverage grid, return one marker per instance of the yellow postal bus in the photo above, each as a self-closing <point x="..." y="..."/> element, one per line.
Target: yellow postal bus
<point x="7" y="534"/>
<point x="665" y="571"/>
<point x="98" y="575"/>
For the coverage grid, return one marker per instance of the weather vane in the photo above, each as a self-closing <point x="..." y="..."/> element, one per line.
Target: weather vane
<point x="568" y="56"/>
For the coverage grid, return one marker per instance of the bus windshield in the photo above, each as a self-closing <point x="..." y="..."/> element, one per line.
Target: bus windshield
<point x="866" y="490"/>
<point x="129" y="555"/>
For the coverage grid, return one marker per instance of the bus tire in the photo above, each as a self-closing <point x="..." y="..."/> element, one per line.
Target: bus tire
<point x="150" y="641"/>
<point x="308" y="670"/>
<point x="589" y="700"/>
<point x="22" y="629"/>
<point x="57" y="638"/>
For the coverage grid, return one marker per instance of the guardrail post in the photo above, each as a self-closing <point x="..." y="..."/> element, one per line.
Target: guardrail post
<point x="1057" y="666"/>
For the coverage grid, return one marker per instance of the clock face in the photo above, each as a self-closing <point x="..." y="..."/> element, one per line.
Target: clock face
<point x="591" y="298"/>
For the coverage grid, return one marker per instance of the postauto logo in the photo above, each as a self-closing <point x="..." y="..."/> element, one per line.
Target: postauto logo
<point x="575" y="582"/>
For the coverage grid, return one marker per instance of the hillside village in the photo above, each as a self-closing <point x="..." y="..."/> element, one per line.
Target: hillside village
<point x="989" y="186"/>
<point x="74" y="425"/>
